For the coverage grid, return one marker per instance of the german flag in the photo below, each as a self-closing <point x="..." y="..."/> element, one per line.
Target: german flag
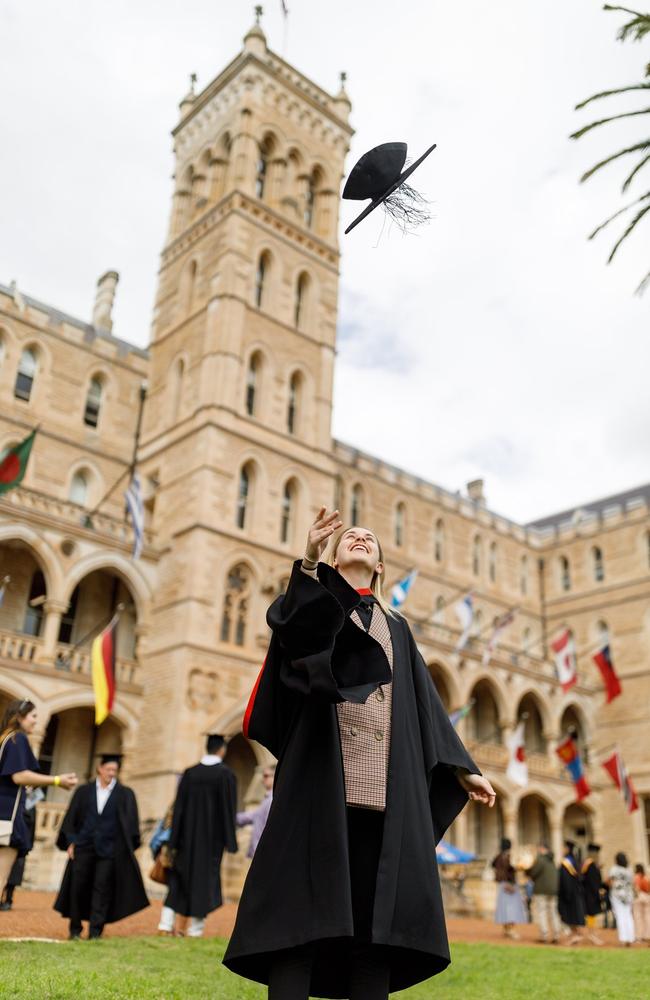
<point x="102" y="660"/>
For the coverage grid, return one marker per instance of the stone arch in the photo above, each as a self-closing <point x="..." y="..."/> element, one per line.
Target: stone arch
<point x="250" y="463"/>
<point x="573" y="716"/>
<point x="501" y="695"/>
<point x="42" y="552"/>
<point x="266" y="265"/>
<point x="241" y="757"/>
<point x="533" y="821"/>
<point x="486" y="827"/>
<point x="445" y="683"/>
<point x="101" y="375"/>
<point x="18" y="689"/>
<point x="123" y="567"/>
<point x="538" y="724"/>
<point x="95" y="486"/>
<point x="578" y="823"/>
<point x="484" y="722"/>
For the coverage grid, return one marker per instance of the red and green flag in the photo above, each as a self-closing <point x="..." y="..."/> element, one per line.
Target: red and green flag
<point x="102" y="661"/>
<point x="13" y="464"/>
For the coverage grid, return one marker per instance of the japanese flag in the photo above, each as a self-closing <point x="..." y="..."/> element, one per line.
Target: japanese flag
<point x="517" y="769"/>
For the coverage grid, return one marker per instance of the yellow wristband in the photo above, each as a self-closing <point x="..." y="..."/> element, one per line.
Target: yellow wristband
<point x="57" y="780"/>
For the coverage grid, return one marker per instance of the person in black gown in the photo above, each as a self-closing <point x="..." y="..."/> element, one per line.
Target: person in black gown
<point x="593" y="888"/>
<point x="571" y="900"/>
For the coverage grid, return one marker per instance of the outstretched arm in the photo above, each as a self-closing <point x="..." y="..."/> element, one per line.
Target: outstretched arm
<point x="477" y="787"/>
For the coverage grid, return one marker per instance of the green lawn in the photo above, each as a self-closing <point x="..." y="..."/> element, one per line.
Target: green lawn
<point x="162" y="969"/>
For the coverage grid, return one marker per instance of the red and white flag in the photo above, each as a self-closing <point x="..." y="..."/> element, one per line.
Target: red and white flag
<point x="566" y="662"/>
<point x="616" y="769"/>
<point x="517" y="769"/>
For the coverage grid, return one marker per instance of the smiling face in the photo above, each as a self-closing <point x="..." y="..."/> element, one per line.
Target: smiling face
<point x="28" y="722"/>
<point x="358" y="548"/>
<point x="107" y="772"/>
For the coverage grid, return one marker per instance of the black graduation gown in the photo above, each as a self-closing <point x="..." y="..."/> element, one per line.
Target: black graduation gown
<point x="570" y="897"/>
<point x="298" y="887"/>
<point x="128" y="888"/>
<point x="203" y="825"/>
<point x="592" y="884"/>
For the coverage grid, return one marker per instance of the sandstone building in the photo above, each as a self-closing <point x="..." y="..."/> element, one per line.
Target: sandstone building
<point x="236" y="454"/>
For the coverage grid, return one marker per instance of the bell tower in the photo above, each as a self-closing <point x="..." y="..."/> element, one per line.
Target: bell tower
<point x="237" y="427"/>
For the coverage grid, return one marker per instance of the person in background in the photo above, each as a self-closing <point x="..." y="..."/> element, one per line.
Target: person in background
<point x="621" y="891"/>
<point x="258" y="817"/>
<point x="203" y="826"/>
<point x="18" y="768"/>
<point x="510" y="906"/>
<point x="17" y="872"/>
<point x="571" y="902"/>
<point x="592" y="885"/>
<point x="546" y="882"/>
<point x="100" y="832"/>
<point x="641" y="905"/>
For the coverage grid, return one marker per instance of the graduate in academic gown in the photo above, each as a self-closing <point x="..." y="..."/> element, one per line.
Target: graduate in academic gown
<point x="570" y="900"/>
<point x="343" y="895"/>
<point x="203" y="826"/>
<point x="100" y="831"/>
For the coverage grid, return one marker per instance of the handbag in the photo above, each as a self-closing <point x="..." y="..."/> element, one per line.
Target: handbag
<point x="7" y="825"/>
<point x="160" y="869"/>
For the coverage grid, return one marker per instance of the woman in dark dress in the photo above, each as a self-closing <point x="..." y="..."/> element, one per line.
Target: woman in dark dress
<point x="343" y="896"/>
<point x="18" y="768"/>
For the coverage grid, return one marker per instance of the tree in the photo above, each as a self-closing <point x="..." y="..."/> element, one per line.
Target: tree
<point x="636" y="30"/>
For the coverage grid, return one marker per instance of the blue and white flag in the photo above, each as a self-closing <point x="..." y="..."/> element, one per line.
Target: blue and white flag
<point x="3" y="587"/>
<point x="465" y="614"/>
<point x="135" y="507"/>
<point x="401" y="589"/>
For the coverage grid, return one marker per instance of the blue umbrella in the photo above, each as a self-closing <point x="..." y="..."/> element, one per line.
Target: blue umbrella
<point x="447" y="854"/>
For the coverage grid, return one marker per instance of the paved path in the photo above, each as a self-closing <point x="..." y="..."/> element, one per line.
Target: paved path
<point x="33" y="917"/>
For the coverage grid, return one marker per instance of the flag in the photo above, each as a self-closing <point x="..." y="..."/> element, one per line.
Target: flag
<point x="568" y="753"/>
<point x="500" y="626"/>
<point x="465" y="614"/>
<point x="460" y="713"/>
<point x="13" y="463"/>
<point x="401" y="589"/>
<point x="102" y="661"/>
<point x="603" y="660"/>
<point x="285" y="9"/>
<point x="566" y="664"/>
<point x="3" y="587"/>
<point x="517" y="769"/>
<point x="616" y="769"/>
<point x="135" y="507"/>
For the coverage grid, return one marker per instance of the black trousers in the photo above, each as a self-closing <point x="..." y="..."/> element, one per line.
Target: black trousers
<point x="369" y="969"/>
<point x="92" y="878"/>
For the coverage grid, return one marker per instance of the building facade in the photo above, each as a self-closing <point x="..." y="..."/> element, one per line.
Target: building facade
<point x="235" y="454"/>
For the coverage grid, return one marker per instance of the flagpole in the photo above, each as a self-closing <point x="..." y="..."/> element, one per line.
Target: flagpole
<point x="95" y="630"/>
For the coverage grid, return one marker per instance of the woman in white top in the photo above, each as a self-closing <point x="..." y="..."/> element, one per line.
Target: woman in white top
<point x="621" y="893"/>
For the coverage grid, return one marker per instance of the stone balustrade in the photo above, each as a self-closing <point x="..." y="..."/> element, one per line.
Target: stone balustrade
<point x="27" y="650"/>
<point x="73" y="660"/>
<point x="21" y="648"/>
<point x="49" y="816"/>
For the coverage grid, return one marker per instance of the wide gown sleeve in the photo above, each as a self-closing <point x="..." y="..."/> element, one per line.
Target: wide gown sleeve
<point x="71" y="821"/>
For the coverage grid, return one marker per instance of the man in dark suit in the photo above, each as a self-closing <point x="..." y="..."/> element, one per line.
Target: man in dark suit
<point x="102" y="882"/>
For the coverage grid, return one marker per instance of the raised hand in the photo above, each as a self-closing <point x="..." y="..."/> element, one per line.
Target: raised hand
<point x="478" y="788"/>
<point x="326" y="523"/>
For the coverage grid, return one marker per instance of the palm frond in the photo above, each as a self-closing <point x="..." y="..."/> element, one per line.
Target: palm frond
<point x="638" y="27"/>
<point x="641" y="287"/>
<point x="615" y="156"/>
<point x="610" y="93"/>
<point x="604" y="121"/>
<point x="637" y="218"/>
<point x="616" y="214"/>
<point x="628" y="180"/>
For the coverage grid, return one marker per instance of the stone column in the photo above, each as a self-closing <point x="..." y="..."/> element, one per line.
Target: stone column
<point x="219" y="167"/>
<point x="326" y="214"/>
<point x="277" y="173"/>
<point x="180" y="212"/>
<point x="244" y="155"/>
<point x="302" y="184"/>
<point x="510" y="823"/>
<point x="54" y="611"/>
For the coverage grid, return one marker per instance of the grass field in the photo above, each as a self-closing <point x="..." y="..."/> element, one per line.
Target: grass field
<point x="162" y="969"/>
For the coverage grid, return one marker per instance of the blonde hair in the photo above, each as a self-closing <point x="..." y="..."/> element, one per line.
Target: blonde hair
<point x="13" y="713"/>
<point x="375" y="583"/>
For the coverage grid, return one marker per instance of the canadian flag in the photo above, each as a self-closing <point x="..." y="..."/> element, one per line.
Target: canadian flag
<point x="517" y="769"/>
<point x="566" y="662"/>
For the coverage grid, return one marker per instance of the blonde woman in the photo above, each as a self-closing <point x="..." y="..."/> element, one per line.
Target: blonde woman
<point x="343" y="896"/>
<point x="18" y="768"/>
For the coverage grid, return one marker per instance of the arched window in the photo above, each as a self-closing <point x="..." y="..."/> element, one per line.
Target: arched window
<point x="439" y="541"/>
<point x="93" y="402"/>
<point x="178" y="376"/>
<point x="523" y="575"/>
<point x="27" y="369"/>
<point x="34" y="611"/>
<point x="79" y="488"/>
<point x="400" y="513"/>
<point x="261" y="276"/>
<point x="529" y="711"/>
<point x="565" y="573"/>
<point x="244" y="494"/>
<point x="293" y="404"/>
<point x="310" y="199"/>
<point x="252" y="378"/>
<point x="476" y="555"/>
<point x="492" y="562"/>
<point x="599" y="567"/>
<point x="300" y="301"/>
<point x="356" y="505"/>
<point x="187" y="287"/>
<point x="262" y="169"/>
<point x="288" y="510"/>
<point x="234" y="620"/>
<point x="483" y="724"/>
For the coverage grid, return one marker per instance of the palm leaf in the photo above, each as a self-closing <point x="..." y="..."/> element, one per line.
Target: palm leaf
<point x="641" y="287"/>
<point x="616" y="214"/>
<point x="615" y="156"/>
<point x="638" y="27"/>
<point x="604" y="121"/>
<point x="637" y="218"/>
<point x="610" y="93"/>
<point x="629" y="178"/>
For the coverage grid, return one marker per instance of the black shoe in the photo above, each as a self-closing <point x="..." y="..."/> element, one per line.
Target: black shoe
<point x="5" y="906"/>
<point x="74" y="937"/>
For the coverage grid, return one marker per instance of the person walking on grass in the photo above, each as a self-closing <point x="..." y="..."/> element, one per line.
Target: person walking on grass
<point x="510" y="905"/>
<point x="18" y="769"/>
<point x="546" y="882"/>
<point x="641" y="905"/>
<point x="571" y="900"/>
<point x="343" y="896"/>
<point x="621" y="891"/>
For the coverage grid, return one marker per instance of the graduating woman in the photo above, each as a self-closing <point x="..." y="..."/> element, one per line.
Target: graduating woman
<point x="343" y="896"/>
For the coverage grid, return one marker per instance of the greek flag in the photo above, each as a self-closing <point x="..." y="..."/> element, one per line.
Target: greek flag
<point x="465" y="614"/>
<point x="135" y="508"/>
<point x="401" y="589"/>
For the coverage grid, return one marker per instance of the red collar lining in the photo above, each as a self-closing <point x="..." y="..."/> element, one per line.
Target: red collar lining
<point x="365" y="591"/>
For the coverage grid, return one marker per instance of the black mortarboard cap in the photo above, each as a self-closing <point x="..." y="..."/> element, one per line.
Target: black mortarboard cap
<point x="569" y="844"/>
<point x="593" y="848"/>
<point x="110" y="758"/>
<point x="378" y="175"/>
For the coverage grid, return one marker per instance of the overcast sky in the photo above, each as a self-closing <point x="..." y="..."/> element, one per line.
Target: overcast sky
<point x="495" y="343"/>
